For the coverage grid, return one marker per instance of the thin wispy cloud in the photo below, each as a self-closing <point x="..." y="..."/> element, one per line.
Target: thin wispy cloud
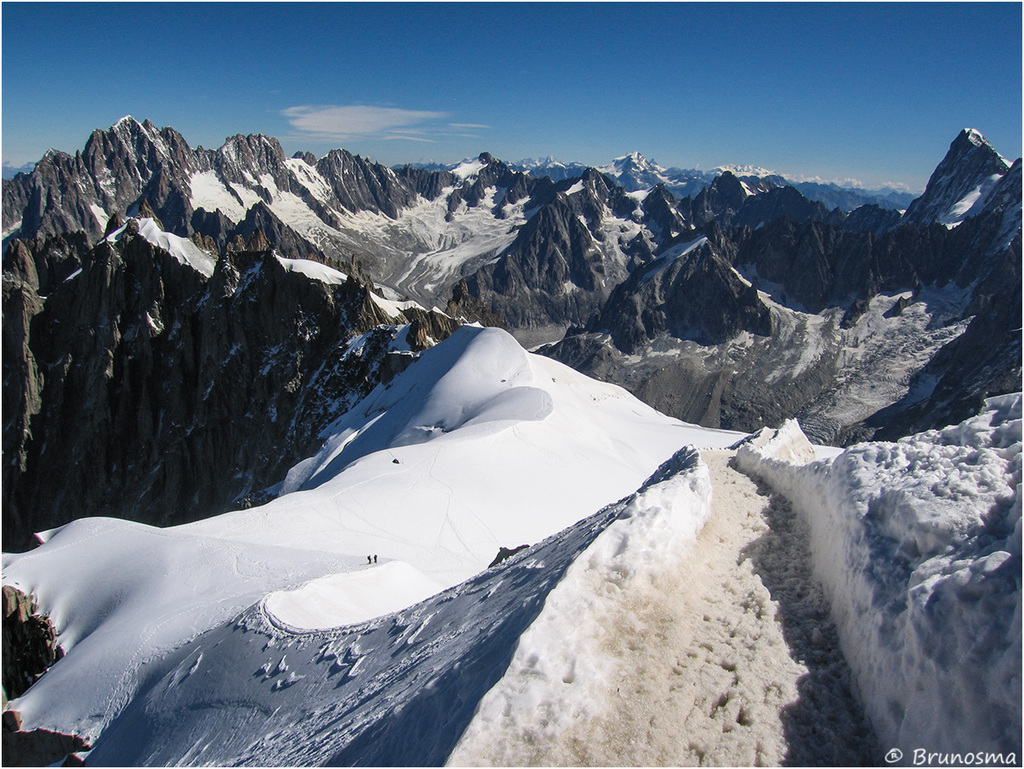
<point x="847" y="182"/>
<point x="333" y="122"/>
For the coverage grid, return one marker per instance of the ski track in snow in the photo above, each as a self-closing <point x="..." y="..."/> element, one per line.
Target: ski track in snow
<point x="726" y="658"/>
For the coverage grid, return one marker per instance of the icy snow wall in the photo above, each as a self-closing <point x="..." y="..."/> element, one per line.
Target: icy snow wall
<point x="918" y="544"/>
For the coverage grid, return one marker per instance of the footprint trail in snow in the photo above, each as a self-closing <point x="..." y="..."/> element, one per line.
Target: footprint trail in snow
<point x="726" y="658"/>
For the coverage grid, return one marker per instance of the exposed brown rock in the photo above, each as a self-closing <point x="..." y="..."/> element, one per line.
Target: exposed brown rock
<point x="41" y="747"/>
<point x="29" y="643"/>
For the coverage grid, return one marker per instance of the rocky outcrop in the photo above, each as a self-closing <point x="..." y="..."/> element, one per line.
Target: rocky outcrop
<point x="470" y="308"/>
<point x="872" y="218"/>
<point x="504" y="553"/>
<point x="41" y="747"/>
<point x="29" y="643"/>
<point x="690" y="292"/>
<point x="166" y="396"/>
<point x="362" y="185"/>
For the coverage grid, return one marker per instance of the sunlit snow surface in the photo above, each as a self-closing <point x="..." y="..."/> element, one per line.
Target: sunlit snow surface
<point x="476" y="446"/>
<point x="261" y="637"/>
<point x="918" y="545"/>
<point x="182" y="249"/>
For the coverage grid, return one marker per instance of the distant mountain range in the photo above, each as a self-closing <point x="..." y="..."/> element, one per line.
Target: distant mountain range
<point x="636" y="173"/>
<point x="738" y="306"/>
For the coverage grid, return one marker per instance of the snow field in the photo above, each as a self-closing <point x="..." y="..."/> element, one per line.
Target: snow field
<point x="396" y="690"/>
<point x="688" y="660"/>
<point x="313" y="270"/>
<point x="477" y="445"/>
<point x="350" y="597"/>
<point x="918" y="545"/>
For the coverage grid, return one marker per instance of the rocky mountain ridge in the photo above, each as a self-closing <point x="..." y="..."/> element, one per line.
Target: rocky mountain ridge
<point x="634" y="172"/>
<point x="415" y="231"/>
<point x="854" y="332"/>
<point x="163" y="394"/>
<point x="180" y="348"/>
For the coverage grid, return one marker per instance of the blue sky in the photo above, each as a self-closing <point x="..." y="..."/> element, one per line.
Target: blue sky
<point x="865" y="91"/>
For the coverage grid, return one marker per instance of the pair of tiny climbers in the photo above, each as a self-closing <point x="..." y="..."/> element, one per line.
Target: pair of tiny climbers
<point x="370" y="560"/>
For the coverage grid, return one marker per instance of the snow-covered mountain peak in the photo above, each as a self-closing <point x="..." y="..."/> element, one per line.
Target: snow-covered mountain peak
<point x="632" y="161"/>
<point x="182" y="249"/>
<point x="961" y="184"/>
<point x="744" y="170"/>
<point x="635" y="158"/>
<point x="53" y="153"/>
<point x="128" y="130"/>
<point x="971" y="141"/>
<point x="974" y="136"/>
<point x="470" y="167"/>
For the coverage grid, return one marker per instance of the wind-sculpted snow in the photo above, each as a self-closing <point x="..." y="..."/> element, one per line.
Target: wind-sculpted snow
<point x="122" y="595"/>
<point x="481" y="379"/>
<point x="918" y="544"/>
<point x="476" y="446"/>
<point x="400" y="689"/>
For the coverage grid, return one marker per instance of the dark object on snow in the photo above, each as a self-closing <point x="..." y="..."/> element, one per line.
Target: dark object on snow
<point x="369" y="560"/>
<point x="395" y="462"/>
<point x="41" y="747"/>
<point x="29" y="643"/>
<point x="503" y="553"/>
<point x="375" y="559"/>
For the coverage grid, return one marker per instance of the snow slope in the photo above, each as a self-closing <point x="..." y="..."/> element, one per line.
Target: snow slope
<point x="477" y="445"/>
<point x="918" y="544"/>
<point x="182" y="249"/>
<point x="397" y="690"/>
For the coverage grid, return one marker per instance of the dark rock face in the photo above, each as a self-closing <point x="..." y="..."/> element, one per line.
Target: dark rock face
<point x="361" y="185"/>
<point x="528" y="285"/>
<point x="872" y="218"/>
<point x="564" y="260"/>
<point x="982" y="362"/>
<point x="29" y="643"/>
<point x="810" y="351"/>
<point x="118" y="168"/>
<point x="693" y="295"/>
<point x="970" y="163"/>
<point x="41" y="747"/>
<point x="469" y="308"/>
<point x="272" y="230"/>
<point x="846" y="199"/>
<point x="165" y="396"/>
